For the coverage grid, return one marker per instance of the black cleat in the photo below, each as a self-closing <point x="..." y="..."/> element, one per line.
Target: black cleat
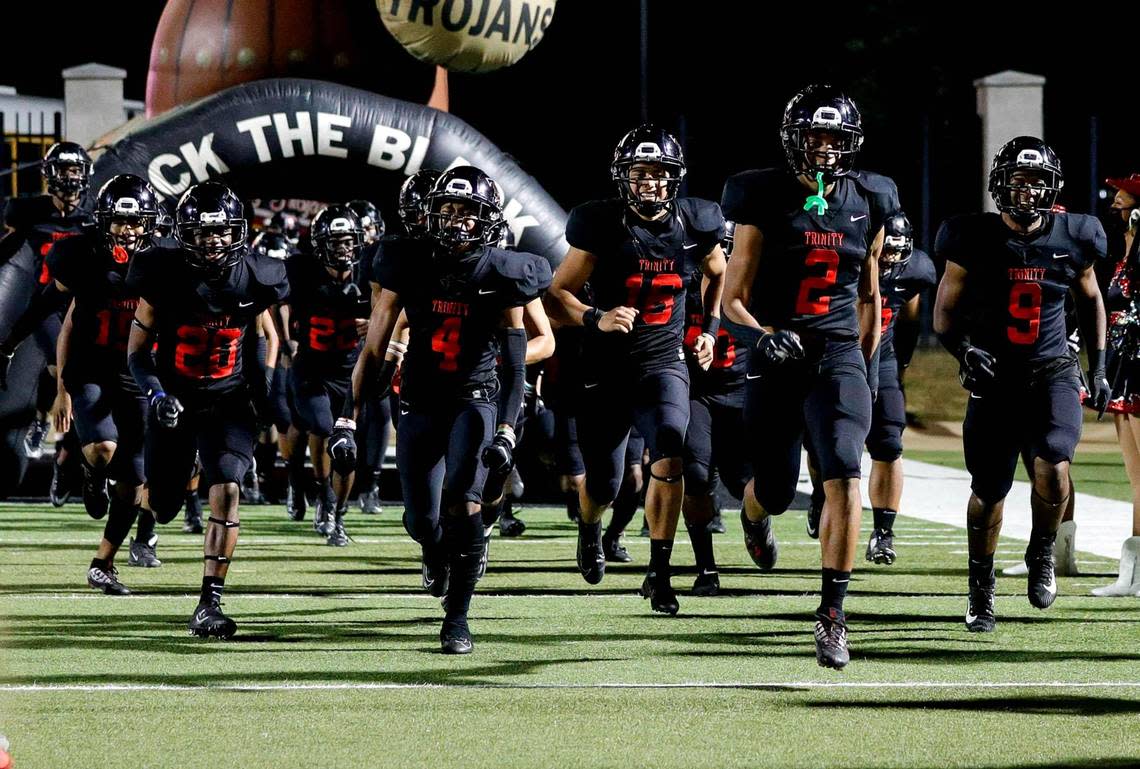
<point x="614" y="550"/>
<point x="707" y="583"/>
<point x="760" y="541"/>
<point x="980" y="616"/>
<point x="815" y="512"/>
<point x="210" y="622"/>
<point x="370" y="501"/>
<point x="831" y="641"/>
<point x="295" y="503"/>
<point x="60" y="490"/>
<point x="143" y="553"/>
<point x="716" y="525"/>
<point x="250" y="489"/>
<point x="881" y="547"/>
<point x="434" y="578"/>
<point x="338" y="537"/>
<point x="659" y="591"/>
<point x="486" y="555"/>
<point x="1042" y="584"/>
<point x="192" y="515"/>
<point x="591" y="555"/>
<point x="106" y="580"/>
<point x="455" y="637"/>
<point x="34" y="439"/>
<point x="509" y="526"/>
<point x="95" y="496"/>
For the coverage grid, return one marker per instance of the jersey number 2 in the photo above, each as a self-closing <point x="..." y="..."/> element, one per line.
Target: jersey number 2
<point x="814" y="298"/>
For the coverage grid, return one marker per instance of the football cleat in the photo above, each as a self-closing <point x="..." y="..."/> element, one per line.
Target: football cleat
<point x="338" y="537"/>
<point x="434" y="578"/>
<point x="192" y="515"/>
<point x="250" y="489"/>
<point x="60" y="490"/>
<point x="509" y="526"/>
<point x="591" y="555"/>
<point x="324" y="521"/>
<point x="96" y="499"/>
<point x="455" y="637"/>
<point x="106" y="580"/>
<point x="707" y="583"/>
<point x="143" y="553"/>
<point x="295" y="503"/>
<point x="614" y="550"/>
<point x="1042" y="583"/>
<point x="209" y="621"/>
<point x="716" y="525"/>
<point x="34" y="438"/>
<point x="880" y="548"/>
<point x="814" y="513"/>
<point x="980" y="616"/>
<point x="486" y="554"/>
<point x="659" y="591"/>
<point x="760" y="541"/>
<point x="831" y="641"/>
<point x="370" y="502"/>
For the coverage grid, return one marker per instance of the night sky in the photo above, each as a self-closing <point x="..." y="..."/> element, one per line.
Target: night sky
<point x="714" y="65"/>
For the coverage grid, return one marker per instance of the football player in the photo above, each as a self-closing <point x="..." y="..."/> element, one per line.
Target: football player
<point x="638" y="251"/>
<point x="804" y="285"/>
<point x="1001" y="312"/>
<point x="206" y="396"/>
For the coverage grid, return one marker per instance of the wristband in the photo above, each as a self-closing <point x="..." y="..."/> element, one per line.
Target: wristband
<point x="591" y="317"/>
<point x="344" y="423"/>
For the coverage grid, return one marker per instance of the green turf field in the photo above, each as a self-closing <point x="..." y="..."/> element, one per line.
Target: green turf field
<point x="563" y="674"/>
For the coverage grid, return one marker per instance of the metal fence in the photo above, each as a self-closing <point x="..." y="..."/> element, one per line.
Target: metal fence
<point x="26" y="140"/>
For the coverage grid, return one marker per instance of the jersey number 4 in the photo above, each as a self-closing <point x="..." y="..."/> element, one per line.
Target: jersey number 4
<point x="814" y="297"/>
<point x="206" y="353"/>
<point x="1025" y="309"/>
<point x="654" y="299"/>
<point x="445" y="341"/>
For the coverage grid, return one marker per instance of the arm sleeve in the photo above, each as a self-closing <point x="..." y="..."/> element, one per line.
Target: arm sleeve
<point x="145" y="372"/>
<point x="513" y="347"/>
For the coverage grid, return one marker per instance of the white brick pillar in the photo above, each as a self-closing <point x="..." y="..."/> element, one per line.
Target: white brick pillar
<point x="92" y="102"/>
<point x="1009" y="104"/>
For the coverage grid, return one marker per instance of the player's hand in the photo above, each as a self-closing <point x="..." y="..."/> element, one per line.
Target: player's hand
<point x="167" y="408"/>
<point x="5" y="362"/>
<point x="1100" y="391"/>
<point x="384" y="378"/>
<point x="61" y="411"/>
<point x="618" y="319"/>
<point x="978" y="369"/>
<point x="498" y="457"/>
<point x="342" y="447"/>
<point x="780" y="346"/>
<point x="703" y="350"/>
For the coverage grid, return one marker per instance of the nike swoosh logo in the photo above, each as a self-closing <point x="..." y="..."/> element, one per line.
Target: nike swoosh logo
<point x="900" y="288"/>
<point x="245" y="304"/>
<point x="484" y="293"/>
<point x="1059" y="256"/>
<point x="688" y="246"/>
<point x="970" y="617"/>
<point x="857" y="218"/>
<point x="403" y="413"/>
<point x="753" y="376"/>
<point x="975" y="397"/>
<point x="1052" y="586"/>
<point x="591" y="386"/>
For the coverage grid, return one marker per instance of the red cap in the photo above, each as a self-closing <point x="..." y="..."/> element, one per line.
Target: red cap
<point x="1131" y="184"/>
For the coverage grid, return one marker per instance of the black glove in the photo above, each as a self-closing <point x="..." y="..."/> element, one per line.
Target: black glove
<point x="780" y="346"/>
<point x="342" y="447"/>
<point x="262" y="406"/>
<point x="498" y="457"/>
<point x="1100" y="391"/>
<point x="977" y="369"/>
<point x="384" y="376"/>
<point x="5" y="362"/>
<point x="167" y="408"/>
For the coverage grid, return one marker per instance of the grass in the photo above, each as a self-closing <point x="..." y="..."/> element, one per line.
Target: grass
<point x="310" y="615"/>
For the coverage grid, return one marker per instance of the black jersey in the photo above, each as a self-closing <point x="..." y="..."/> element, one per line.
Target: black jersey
<point x="902" y="285"/>
<point x="454" y="311"/>
<point x="202" y="323"/>
<point x="96" y="276"/>
<point x="808" y="276"/>
<point x="725" y="375"/>
<point x="1016" y="284"/>
<point x="323" y="315"/>
<point x="40" y="223"/>
<point x="645" y="265"/>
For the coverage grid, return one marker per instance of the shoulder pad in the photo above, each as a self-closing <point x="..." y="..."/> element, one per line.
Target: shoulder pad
<point x="270" y="275"/>
<point x="875" y="183"/>
<point x="25" y="212"/>
<point x="747" y="197"/>
<point x="150" y="270"/>
<point x="922" y="269"/>
<point x="594" y="225"/>
<point x="1087" y="232"/>
<point x="521" y="276"/>
<point x="702" y="215"/>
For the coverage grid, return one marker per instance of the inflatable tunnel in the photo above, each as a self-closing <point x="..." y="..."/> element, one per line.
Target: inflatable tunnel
<point x="279" y="139"/>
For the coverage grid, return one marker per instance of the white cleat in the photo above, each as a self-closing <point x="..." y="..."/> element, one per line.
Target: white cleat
<point x="1128" y="577"/>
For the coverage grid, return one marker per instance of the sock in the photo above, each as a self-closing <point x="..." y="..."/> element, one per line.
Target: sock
<point x="146" y="526"/>
<point x="120" y="518"/>
<point x="212" y="589"/>
<point x="463" y="537"/>
<point x="701" y="538"/>
<point x="266" y="456"/>
<point x="659" y="552"/>
<point x="982" y="569"/>
<point x="884" y="518"/>
<point x="591" y="532"/>
<point x="373" y="479"/>
<point x="572" y="504"/>
<point x="833" y="592"/>
<point x="103" y="564"/>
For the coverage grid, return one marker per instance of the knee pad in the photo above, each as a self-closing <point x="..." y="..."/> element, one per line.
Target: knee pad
<point x="166" y="505"/>
<point x="774" y="501"/>
<point x="698" y="479"/>
<point x="991" y="490"/>
<point x="230" y="468"/>
<point x="670" y="442"/>
<point x="421" y="528"/>
<point x="885" y="444"/>
<point x="601" y="491"/>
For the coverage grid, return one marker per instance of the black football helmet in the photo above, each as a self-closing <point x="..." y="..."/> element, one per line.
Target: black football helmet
<point x="285" y="222"/>
<point x="729" y="239"/>
<point x="413" y="194"/>
<point x="648" y="144"/>
<point x="128" y="199"/>
<point x="481" y="224"/>
<point x="208" y="215"/>
<point x="898" y="243"/>
<point x="337" y="237"/>
<point x="1025" y="200"/>
<point x="274" y="245"/>
<point x="821" y="108"/>
<point x="67" y="169"/>
<point x="370" y="219"/>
